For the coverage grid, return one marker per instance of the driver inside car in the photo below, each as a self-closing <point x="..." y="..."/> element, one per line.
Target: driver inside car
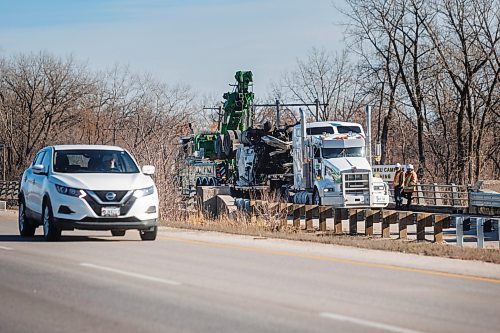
<point x="109" y="163"/>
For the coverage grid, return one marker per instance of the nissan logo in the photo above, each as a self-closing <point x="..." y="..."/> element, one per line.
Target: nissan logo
<point x="110" y="196"/>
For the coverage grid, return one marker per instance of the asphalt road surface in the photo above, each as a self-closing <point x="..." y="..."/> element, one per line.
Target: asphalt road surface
<point x="190" y="281"/>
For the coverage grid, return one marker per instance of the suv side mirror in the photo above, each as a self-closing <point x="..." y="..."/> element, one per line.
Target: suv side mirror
<point x="148" y="170"/>
<point x="39" y="169"/>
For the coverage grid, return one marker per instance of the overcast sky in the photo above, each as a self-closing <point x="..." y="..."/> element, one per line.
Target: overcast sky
<point x="200" y="43"/>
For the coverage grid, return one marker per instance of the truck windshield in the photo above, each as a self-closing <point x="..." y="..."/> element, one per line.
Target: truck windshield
<point x="94" y="161"/>
<point x="343" y="152"/>
<point x="347" y="129"/>
<point x="320" y="130"/>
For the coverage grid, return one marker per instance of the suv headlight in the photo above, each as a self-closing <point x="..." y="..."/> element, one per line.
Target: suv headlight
<point x="144" y="191"/>
<point x="72" y="192"/>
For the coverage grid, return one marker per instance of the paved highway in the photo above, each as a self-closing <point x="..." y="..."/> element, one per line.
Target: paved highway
<point x="189" y="281"/>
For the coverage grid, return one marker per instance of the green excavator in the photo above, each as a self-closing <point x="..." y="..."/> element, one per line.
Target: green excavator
<point x="210" y="155"/>
<point x="236" y="119"/>
<point x="237" y="115"/>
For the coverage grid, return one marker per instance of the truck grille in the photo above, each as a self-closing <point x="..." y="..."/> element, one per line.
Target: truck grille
<point x="357" y="184"/>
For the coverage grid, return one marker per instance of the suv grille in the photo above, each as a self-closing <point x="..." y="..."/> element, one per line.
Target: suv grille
<point x="102" y="195"/>
<point x="96" y="207"/>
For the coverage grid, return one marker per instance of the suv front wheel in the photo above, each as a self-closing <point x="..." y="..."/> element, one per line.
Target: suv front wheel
<point x="26" y="229"/>
<point x="50" y="232"/>
<point x="148" y="235"/>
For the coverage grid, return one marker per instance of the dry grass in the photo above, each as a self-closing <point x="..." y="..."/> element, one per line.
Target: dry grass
<point x="268" y="227"/>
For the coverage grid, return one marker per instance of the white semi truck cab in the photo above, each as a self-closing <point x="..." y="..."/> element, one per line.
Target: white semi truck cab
<point x="330" y="167"/>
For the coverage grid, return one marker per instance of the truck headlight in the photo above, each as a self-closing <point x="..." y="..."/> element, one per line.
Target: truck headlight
<point x="380" y="187"/>
<point x="144" y="192"/>
<point x="72" y="192"/>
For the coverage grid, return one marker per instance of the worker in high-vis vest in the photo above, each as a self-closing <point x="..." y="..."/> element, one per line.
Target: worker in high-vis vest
<point x="410" y="184"/>
<point x="397" y="183"/>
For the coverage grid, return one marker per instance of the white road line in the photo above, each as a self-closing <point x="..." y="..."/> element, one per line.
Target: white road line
<point x="6" y="248"/>
<point x="367" y="323"/>
<point x="131" y="274"/>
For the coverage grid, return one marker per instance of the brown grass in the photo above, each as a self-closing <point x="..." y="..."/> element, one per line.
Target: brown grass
<point x="268" y="228"/>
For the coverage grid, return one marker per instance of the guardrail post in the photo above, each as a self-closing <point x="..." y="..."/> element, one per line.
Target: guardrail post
<point x="272" y="210"/>
<point x="420" y="195"/>
<point x="322" y="217"/>
<point x="353" y="221"/>
<point x="361" y="215"/>
<point x="388" y="217"/>
<point x="437" y="221"/>
<point x="309" y="217"/>
<point x="420" y="220"/>
<point x="252" y="212"/>
<point x="454" y="195"/>
<point x="370" y="217"/>
<point x="498" y="229"/>
<point x="337" y="223"/>
<point x="459" y="223"/>
<point x="405" y="219"/>
<point x="438" y="201"/>
<point x="480" y="232"/>
<point x="283" y="214"/>
<point x="296" y="216"/>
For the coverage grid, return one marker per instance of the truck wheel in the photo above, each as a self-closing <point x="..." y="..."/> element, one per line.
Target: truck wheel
<point x="118" y="232"/>
<point x="50" y="232"/>
<point x="316" y="198"/>
<point x="148" y="235"/>
<point x="26" y="229"/>
<point x="198" y="182"/>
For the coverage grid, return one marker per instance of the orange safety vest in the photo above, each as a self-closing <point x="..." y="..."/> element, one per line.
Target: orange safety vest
<point x="398" y="178"/>
<point x="410" y="181"/>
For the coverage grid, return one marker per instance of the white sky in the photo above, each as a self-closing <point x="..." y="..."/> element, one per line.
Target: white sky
<point x="199" y="43"/>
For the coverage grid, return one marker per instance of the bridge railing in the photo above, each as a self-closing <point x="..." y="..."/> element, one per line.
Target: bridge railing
<point x="440" y="195"/>
<point x="9" y="190"/>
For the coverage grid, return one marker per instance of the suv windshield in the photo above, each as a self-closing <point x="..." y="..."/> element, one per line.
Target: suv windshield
<point x="342" y="152"/>
<point x="94" y="161"/>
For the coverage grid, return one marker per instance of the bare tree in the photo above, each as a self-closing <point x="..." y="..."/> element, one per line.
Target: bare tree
<point x="465" y="35"/>
<point x="328" y="78"/>
<point x="41" y="95"/>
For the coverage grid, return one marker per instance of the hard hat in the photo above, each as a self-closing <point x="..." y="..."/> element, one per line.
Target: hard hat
<point x="398" y="165"/>
<point x="410" y="166"/>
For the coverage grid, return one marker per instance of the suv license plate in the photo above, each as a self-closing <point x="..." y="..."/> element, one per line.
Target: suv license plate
<point x="110" y="211"/>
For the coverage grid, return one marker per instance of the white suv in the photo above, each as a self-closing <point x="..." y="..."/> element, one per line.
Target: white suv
<point x="87" y="187"/>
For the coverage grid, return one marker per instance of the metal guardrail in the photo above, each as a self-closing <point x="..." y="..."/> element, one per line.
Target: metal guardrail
<point x="481" y="199"/>
<point x="9" y="190"/>
<point x="480" y="228"/>
<point x="302" y="220"/>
